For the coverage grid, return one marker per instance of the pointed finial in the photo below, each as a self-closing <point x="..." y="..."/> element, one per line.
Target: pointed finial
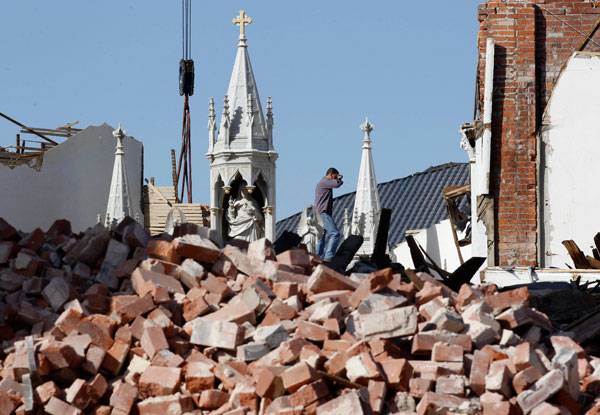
<point x="226" y="106"/>
<point x="242" y="20"/>
<point x="211" y="109"/>
<point x="119" y="132"/>
<point x="367" y="127"/>
<point x="269" y="113"/>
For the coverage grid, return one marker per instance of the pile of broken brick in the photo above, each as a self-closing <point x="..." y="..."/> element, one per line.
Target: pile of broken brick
<point x="116" y="322"/>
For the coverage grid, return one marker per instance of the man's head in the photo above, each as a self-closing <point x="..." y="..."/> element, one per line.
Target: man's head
<point x="332" y="173"/>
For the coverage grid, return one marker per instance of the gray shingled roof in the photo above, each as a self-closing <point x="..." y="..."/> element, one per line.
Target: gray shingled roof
<point x="416" y="201"/>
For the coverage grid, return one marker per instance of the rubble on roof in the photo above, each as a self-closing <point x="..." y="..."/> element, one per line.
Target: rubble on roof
<point x="117" y="322"/>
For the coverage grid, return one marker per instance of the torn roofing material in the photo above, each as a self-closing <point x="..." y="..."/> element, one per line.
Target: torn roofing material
<point x="416" y="201"/>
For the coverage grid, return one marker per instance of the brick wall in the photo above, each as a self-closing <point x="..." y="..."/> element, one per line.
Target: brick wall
<point x="532" y="45"/>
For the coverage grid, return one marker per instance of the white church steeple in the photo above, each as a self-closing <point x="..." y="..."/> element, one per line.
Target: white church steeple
<point x="365" y="217"/>
<point x="241" y="153"/>
<point x="119" y="205"/>
<point x="243" y="123"/>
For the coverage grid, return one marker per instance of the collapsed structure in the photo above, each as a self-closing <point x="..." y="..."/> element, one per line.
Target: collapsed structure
<point x="116" y="322"/>
<point x="535" y="138"/>
<point x="71" y="179"/>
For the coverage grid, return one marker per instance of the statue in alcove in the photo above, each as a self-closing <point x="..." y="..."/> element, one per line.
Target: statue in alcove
<point x="310" y="229"/>
<point x="245" y="217"/>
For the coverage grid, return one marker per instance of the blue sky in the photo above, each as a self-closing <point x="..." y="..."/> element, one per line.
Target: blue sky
<point x="408" y="66"/>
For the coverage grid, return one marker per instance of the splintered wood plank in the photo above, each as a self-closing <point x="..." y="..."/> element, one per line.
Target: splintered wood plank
<point x="577" y="256"/>
<point x="593" y="262"/>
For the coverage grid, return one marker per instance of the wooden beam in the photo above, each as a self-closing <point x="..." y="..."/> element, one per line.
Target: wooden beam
<point x="454" y="191"/>
<point x="577" y="256"/>
<point x="27" y="128"/>
<point x="593" y="262"/>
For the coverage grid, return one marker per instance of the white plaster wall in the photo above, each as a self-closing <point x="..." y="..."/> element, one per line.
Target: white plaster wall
<point x="438" y="242"/>
<point x="571" y="150"/>
<point x="72" y="184"/>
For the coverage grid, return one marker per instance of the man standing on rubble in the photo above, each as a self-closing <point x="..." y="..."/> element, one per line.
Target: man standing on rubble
<point x="324" y="207"/>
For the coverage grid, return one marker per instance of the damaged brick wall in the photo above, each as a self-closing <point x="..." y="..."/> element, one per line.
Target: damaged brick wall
<point x="533" y="42"/>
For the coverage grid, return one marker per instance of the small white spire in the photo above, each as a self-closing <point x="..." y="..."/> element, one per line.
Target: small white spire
<point x="270" y="123"/>
<point x="366" y="205"/>
<point x="118" y="198"/>
<point x="211" y="124"/>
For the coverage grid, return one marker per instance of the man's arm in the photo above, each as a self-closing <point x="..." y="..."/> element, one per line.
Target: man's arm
<point x="332" y="183"/>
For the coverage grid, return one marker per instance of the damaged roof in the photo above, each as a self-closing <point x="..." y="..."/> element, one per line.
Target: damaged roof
<point x="416" y="201"/>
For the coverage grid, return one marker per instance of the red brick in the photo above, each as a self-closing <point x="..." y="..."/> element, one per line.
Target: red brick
<point x="8" y="250"/>
<point x="216" y="286"/>
<point x="115" y="358"/>
<point x="336" y="365"/>
<point x="123" y="397"/>
<point x="57" y="407"/>
<point x="315" y="332"/>
<point x="145" y="281"/>
<point x="93" y="359"/>
<point x="198" y="377"/>
<point x="269" y="383"/>
<point x="525" y="378"/>
<point x="195" y="308"/>
<point x="196" y="247"/>
<point x="440" y="403"/>
<point x="479" y="369"/>
<point x="466" y="295"/>
<point x="79" y="394"/>
<point x="212" y="399"/>
<point x="298" y="375"/>
<point x="451" y="385"/>
<point x="362" y="368"/>
<point x="153" y="340"/>
<point x="159" y="381"/>
<point x="377" y="392"/>
<point x="298" y="257"/>
<point x="501" y="301"/>
<point x="285" y="290"/>
<point x="445" y="352"/>
<point x="423" y="342"/>
<point x="348" y="403"/>
<point x="325" y="279"/>
<point x="162" y="250"/>
<point x="418" y="387"/>
<point x="398" y="373"/>
<point x="174" y="404"/>
<point x="47" y="390"/>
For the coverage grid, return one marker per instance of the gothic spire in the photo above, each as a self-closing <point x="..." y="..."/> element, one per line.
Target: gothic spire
<point x="366" y="205"/>
<point x="118" y="198"/>
<point x="246" y="119"/>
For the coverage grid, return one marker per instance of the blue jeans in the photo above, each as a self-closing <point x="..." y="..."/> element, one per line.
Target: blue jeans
<point x="331" y="234"/>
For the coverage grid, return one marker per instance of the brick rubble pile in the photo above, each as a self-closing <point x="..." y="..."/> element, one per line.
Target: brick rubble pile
<point x="120" y="323"/>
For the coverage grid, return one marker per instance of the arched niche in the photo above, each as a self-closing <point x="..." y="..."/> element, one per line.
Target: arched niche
<point x="234" y="191"/>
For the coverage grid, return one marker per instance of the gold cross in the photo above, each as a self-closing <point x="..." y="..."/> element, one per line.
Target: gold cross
<point x="242" y="21"/>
